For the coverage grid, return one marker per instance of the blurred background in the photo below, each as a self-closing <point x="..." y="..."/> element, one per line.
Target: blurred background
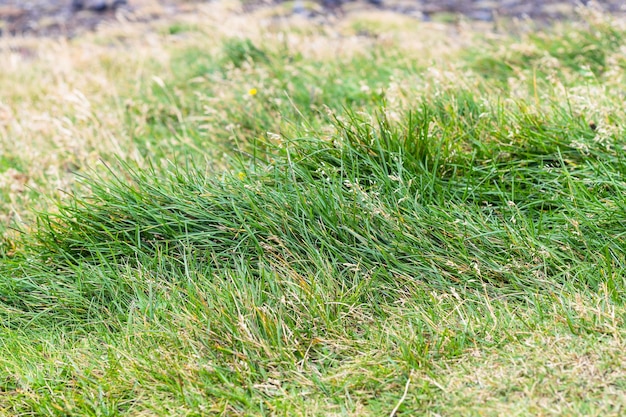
<point x="68" y="17"/>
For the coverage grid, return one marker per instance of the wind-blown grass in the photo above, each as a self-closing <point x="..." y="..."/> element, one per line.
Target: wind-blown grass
<point x="400" y="259"/>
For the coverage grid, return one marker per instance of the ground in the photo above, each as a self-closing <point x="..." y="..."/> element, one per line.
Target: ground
<point x="59" y="18"/>
<point x="241" y="211"/>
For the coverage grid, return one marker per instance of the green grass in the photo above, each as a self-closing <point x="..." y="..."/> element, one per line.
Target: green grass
<point x="378" y="228"/>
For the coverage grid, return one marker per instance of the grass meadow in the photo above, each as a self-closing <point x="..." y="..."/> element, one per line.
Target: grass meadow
<point x="248" y="214"/>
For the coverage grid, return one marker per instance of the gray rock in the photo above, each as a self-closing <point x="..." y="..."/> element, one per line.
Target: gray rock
<point x="97" y="5"/>
<point x="485" y="15"/>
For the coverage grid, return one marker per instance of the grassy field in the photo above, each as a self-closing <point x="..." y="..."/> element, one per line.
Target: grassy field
<point x="240" y="214"/>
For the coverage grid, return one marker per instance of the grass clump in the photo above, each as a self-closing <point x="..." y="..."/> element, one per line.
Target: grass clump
<point x="406" y="241"/>
<point x="238" y="51"/>
<point x="571" y="55"/>
<point x="301" y="235"/>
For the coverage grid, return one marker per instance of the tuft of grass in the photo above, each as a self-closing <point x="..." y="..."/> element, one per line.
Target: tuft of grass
<point x="571" y="55"/>
<point x="391" y="231"/>
<point x="240" y="51"/>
